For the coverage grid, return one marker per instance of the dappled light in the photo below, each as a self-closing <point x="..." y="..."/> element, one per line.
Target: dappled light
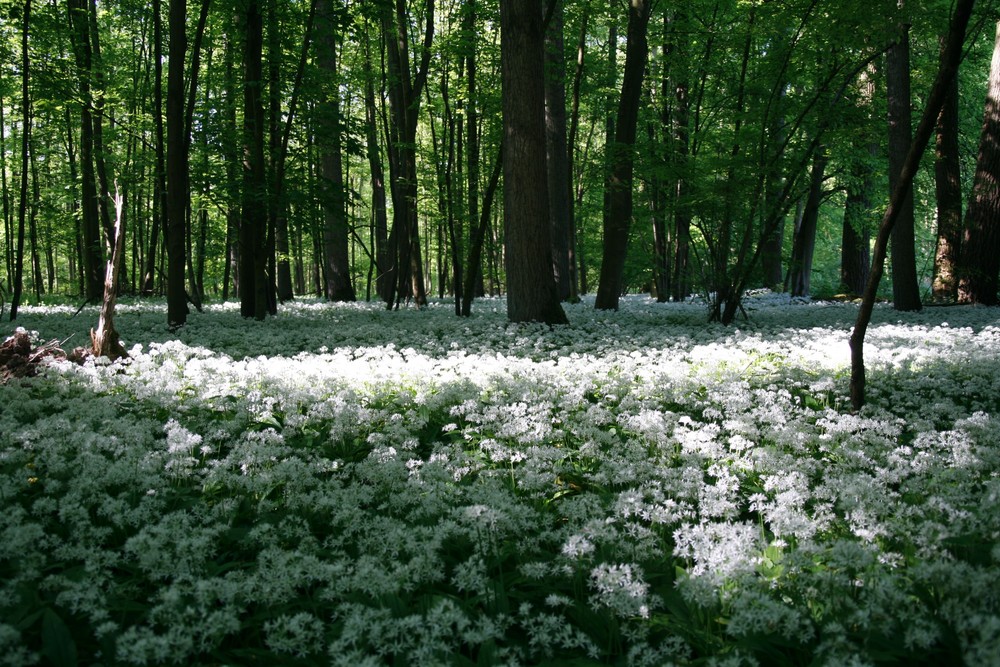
<point x="323" y="488"/>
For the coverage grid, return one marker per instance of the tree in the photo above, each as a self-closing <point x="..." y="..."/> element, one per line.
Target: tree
<point x="948" y="191"/>
<point x="950" y="57"/>
<point x="531" y="288"/>
<point x="336" y="228"/>
<point x="980" y="253"/>
<point x="557" y="154"/>
<point x="177" y="166"/>
<point x="25" y="143"/>
<point x="618" y="214"/>
<point x="253" y="227"/>
<point x="905" y="291"/>
<point x="804" y="245"/>
<point x="405" y="89"/>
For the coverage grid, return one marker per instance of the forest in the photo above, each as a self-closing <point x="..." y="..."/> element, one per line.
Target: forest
<point x="445" y="332"/>
<point x="265" y="150"/>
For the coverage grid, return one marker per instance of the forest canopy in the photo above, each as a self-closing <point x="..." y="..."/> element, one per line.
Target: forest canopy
<point x="266" y="150"/>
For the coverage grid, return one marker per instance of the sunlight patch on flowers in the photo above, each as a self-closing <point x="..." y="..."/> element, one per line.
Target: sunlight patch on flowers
<point x="345" y="485"/>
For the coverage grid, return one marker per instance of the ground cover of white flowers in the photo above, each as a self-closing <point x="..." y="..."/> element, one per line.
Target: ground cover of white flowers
<point x="340" y="485"/>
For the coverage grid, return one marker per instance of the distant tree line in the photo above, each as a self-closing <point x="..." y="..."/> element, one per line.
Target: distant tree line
<point x="400" y="149"/>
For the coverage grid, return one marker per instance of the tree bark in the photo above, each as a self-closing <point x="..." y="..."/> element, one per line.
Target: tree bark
<point x="905" y="291"/>
<point x="531" y="287"/>
<point x="105" y="341"/>
<point x="948" y="191"/>
<point x="336" y="230"/>
<point x="22" y="207"/>
<point x="177" y="166"/>
<point x="618" y="214"/>
<point x="557" y="157"/>
<point x="950" y="57"/>
<point x="855" y="256"/>
<point x="253" y="223"/>
<point x="981" y="246"/>
<point x="805" y="240"/>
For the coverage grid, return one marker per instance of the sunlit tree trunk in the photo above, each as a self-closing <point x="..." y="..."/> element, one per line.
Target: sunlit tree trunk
<point x="981" y="246"/>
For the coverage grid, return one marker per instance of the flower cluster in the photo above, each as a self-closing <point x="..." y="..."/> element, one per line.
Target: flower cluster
<point x="344" y="485"/>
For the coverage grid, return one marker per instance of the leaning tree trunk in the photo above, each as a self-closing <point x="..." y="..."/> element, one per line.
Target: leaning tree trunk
<point x="950" y="57"/>
<point x="981" y="246"/>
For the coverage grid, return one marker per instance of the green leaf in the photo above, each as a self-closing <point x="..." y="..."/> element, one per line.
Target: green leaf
<point x="57" y="641"/>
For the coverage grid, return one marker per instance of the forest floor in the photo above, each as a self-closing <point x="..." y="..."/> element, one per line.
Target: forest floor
<point x="344" y="485"/>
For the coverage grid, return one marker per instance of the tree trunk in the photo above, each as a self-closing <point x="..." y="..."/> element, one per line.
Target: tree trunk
<point x="477" y="237"/>
<point x="905" y="291"/>
<point x="805" y="240"/>
<point x="981" y="246"/>
<point x="557" y="157"/>
<point x="618" y="214"/>
<point x="22" y="206"/>
<point x="574" y="125"/>
<point x="91" y="227"/>
<point x="380" y="237"/>
<point x="160" y="172"/>
<point x="948" y="191"/>
<point x="855" y="257"/>
<point x="950" y="57"/>
<point x="253" y="223"/>
<point x="405" y="89"/>
<point x="105" y="341"/>
<point x="336" y="239"/>
<point x="531" y="288"/>
<point x="177" y="166"/>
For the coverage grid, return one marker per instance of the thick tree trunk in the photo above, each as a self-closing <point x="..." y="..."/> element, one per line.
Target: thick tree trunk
<point x="981" y="246"/>
<point x="905" y="291"/>
<point x="948" y="191"/>
<point x="531" y="288"/>
<point x="336" y="231"/>
<point x="253" y="223"/>
<point x="618" y="214"/>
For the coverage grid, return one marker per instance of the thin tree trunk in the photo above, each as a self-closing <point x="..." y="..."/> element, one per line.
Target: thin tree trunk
<point x="618" y="214"/>
<point x="805" y="240"/>
<point x="575" y="271"/>
<point x="160" y="173"/>
<point x="950" y="57"/>
<point x="477" y="237"/>
<point x="855" y="256"/>
<point x="22" y="206"/>
<point x="177" y="167"/>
